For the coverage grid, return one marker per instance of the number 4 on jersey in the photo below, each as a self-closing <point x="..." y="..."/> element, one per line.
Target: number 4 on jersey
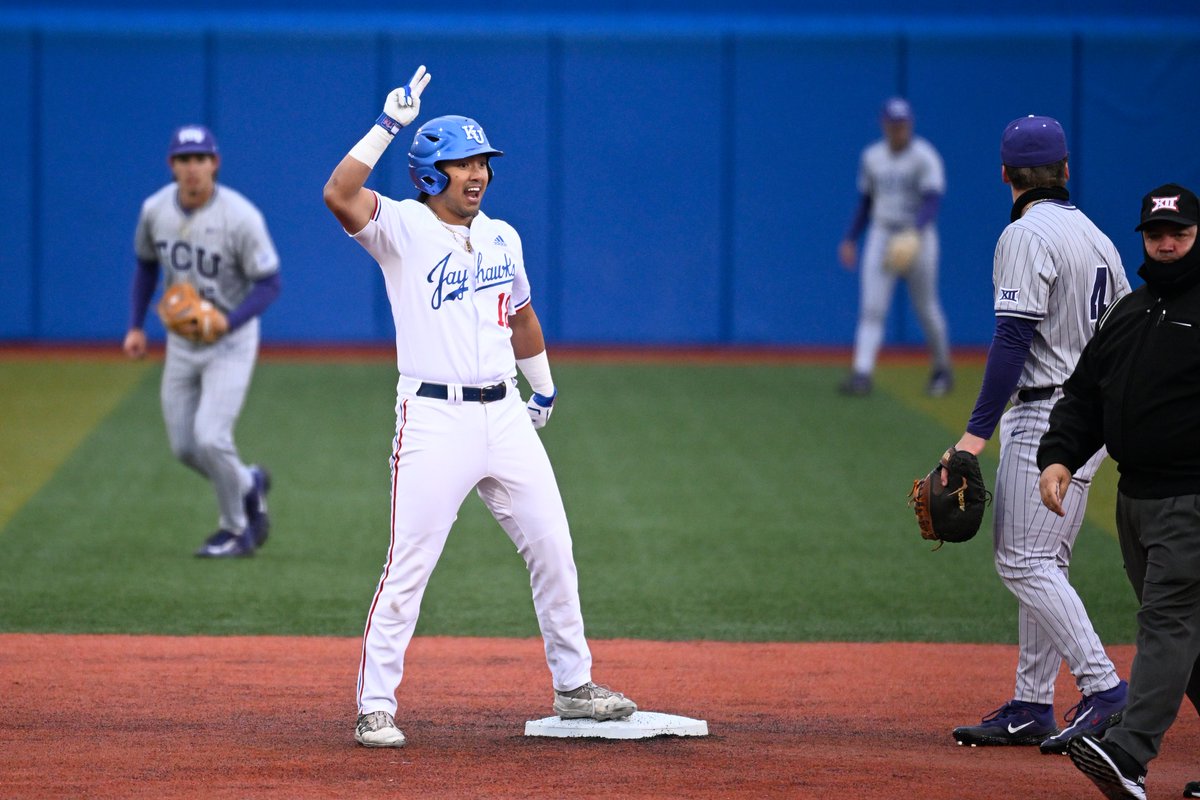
<point x="1099" y="293"/>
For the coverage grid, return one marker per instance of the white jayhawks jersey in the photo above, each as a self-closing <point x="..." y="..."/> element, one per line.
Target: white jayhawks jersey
<point x="221" y="248"/>
<point x="896" y="182"/>
<point x="1054" y="266"/>
<point x="450" y="306"/>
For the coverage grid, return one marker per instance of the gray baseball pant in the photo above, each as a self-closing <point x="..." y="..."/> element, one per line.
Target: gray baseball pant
<point x="203" y="389"/>
<point x="1160" y="542"/>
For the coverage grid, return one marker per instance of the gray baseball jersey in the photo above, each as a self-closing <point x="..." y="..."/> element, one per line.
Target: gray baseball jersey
<point x="1053" y="266"/>
<point x="896" y="182"/>
<point x="222" y="247"/>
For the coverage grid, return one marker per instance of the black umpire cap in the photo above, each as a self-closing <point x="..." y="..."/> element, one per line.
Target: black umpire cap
<point x="1170" y="203"/>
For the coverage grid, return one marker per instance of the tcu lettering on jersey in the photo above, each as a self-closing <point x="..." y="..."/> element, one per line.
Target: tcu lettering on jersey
<point x="182" y="257"/>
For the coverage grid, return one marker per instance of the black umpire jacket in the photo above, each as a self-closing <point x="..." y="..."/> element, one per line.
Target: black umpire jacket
<point x="1136" y="388"/>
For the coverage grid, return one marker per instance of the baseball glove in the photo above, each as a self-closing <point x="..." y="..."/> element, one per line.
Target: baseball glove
<point x="902" y="248"/>
<point x="950" y="513"/>
<point x="184" y="312"/>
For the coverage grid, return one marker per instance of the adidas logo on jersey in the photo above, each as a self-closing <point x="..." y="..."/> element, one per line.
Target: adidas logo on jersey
<point x="500" y="242"/>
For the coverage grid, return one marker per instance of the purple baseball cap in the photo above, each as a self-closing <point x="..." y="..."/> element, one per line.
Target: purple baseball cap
<point x="897" y="109"/>
<point x="1033" y="142"/>
<point x="192" y="139"/>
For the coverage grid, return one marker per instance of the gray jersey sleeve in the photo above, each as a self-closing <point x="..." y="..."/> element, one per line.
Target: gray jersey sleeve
<point x="143" y="236"/>
<point x="1023" y="272"/>
<point x="1055" y="267"/>
<point x="255" y="249"/>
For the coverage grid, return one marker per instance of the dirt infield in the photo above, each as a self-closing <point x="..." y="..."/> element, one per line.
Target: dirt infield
<point x="141" y="716"/>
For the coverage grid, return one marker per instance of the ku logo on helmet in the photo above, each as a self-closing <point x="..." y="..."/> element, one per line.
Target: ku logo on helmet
<point x="474" y="134"/>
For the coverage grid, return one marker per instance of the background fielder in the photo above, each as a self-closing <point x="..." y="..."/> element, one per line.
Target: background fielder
<point x="211" y="236"/>
<point x="1053" y="276"/>
<point x="464" y="323"/>
<point x="900" y="182"/>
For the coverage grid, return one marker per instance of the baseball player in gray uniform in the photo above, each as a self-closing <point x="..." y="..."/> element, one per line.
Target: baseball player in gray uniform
<point x="464" y="322"/>
<point x="198" y="231"/>
<point x="1054" y="274"/>
<point x="900" y="182"/>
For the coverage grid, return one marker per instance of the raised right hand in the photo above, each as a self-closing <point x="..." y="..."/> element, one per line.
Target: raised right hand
<point x="404" y="102"/>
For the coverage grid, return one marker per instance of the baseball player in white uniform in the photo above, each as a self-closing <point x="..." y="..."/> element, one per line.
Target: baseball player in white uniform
<point x="901" y="181"/>
<point x="200" y="232"/>
<point x="464" y="322"/>
<point x="1054" y="274"/>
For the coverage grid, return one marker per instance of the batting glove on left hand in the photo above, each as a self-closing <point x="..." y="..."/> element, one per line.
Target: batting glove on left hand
<point x="404" y="103"/>
<point x="539" y="408"/>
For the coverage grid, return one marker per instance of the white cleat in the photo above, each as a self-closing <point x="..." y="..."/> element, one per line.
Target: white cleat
<point x="378" y="729"/>
<point x="593" y="702"/>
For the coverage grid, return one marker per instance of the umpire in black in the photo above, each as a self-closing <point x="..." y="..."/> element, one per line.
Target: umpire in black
<point x="1136" y="390"/>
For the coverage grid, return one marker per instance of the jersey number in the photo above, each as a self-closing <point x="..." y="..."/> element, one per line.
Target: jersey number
<point x="1100" y="293"/>
<point x="503" y="307"/>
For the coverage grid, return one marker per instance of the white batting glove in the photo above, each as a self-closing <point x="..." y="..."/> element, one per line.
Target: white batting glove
<point x="404" y="103"/>
<point x="539" y="408"/>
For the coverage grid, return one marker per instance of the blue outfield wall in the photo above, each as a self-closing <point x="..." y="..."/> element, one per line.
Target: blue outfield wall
<point x="676" y="181"/>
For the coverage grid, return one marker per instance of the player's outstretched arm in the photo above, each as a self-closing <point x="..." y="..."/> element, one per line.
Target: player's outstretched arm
<point x="345" y="194"/>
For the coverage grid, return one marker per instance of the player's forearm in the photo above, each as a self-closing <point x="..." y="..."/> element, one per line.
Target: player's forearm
<point x="262" y="295"/>
<point x="145" y="280"/>
<point x="930" y="203"/>
<point x="1005" y="362"/>
<point x="861" y="215"/>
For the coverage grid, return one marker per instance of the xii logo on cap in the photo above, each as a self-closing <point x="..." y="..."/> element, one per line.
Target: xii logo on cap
<point x="1170" y="203"/>
<point x="1165" y="204"/>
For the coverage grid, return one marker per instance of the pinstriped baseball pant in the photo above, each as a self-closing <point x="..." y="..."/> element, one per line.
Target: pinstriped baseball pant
<point x="1033" y="554"/>
<point x="202" y="393"/>
<point x="876" y="287"/>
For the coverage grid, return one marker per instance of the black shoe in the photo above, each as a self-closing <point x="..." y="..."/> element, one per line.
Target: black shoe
<point x="856" y="384"/>
<point x="1014" y="723"/>
<point x="226" y="544"/>
<point x="255" y="503"/>
<point x="941" y="382"/>
<point x="1112" y="769"/>
<point x="1192" y="789"/>
<point x="1094" y="714"/>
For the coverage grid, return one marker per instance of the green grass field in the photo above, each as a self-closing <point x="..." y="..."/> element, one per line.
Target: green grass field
<point x="733" y="502"/>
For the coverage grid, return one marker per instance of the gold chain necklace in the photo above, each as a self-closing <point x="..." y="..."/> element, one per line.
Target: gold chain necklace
<point x="458" y="237"/>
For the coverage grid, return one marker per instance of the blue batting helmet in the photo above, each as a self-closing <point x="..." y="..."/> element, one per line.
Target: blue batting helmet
<point x="445" y="139"/>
